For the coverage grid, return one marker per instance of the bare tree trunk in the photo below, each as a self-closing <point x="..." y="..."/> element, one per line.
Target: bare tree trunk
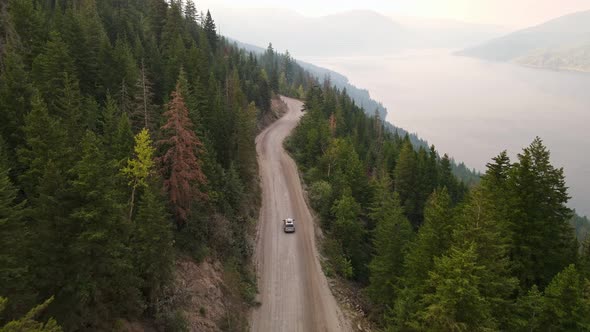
<point x="145" y="110"/>
<point x="132" y="203"/>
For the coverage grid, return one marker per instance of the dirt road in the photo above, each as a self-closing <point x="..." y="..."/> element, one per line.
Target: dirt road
<point x="294" y="293"/>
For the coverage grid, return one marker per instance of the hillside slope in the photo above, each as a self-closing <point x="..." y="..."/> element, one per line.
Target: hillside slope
<point x="566" y="32"/>
<point x="562" y="58"/>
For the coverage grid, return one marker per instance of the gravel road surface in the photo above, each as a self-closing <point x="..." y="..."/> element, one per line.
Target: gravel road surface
<point x="293" y="291"/>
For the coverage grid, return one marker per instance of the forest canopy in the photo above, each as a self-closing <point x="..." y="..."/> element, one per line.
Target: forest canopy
<point x="127" y="139"/>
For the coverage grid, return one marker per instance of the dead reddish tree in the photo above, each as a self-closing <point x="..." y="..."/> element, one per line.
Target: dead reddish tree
<point x="180" y="165"/>
<point x="333" y="124"/>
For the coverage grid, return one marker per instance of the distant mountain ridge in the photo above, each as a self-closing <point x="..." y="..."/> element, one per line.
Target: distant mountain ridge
<point x="326" y="35"/>
<point x="562" y="43"/>
<point x="356" y="32"/>
<point x="446" y="33"/>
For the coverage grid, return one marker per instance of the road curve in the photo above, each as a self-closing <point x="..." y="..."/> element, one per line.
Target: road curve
<point x="293" y="291"/>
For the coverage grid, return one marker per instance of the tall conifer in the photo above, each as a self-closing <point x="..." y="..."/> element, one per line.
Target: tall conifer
<point x="180" y="164"/>
<point x="210" y="30"/>
<point x="544" y="242"/>
<point x="391" y="238"/>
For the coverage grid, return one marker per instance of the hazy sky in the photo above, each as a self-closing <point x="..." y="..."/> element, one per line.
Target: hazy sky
<point x="510" y="13"/>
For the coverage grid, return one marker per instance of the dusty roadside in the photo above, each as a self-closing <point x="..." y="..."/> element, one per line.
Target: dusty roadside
<point x="278" y="108"/>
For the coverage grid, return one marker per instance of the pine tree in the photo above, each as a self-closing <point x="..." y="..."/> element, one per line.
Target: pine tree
<point x="15" y="96"/>
<point x="390" y="242"/>
<point x="455" y="303"/>
<point x="585" y="258"/>
<point x="209" y="113"/>
<point x="180" y="163"/>
<point x="495" y="184"/>
<point x="13" y="230"/>
<point x="498" y="172"/>
<point x="108" y="120"/>
<point x="342" y="164"/>
<point x="210" y="30"/>
<point x="196" y="75"/>
<point x="528" y="310"/>
<point x="431" y="169"/>
<point x="82" y="30"/>
<point x="270" y="60"/>
<point x="151" y="243"/>
<point x="566" y="305"/>
<point x="191" y="102"/>
<point x="448" y="180"/>
<point x="98" y="241"/>
<point x="122" y="139"/>
<point x="544" y="242"/>
<point x="264" y="93"/>
<point x="225" y="123"/>
<point x="70" y="107"/>
<point x="173" y="48"/>
<point x="288" y="67"/>
<point x="124" y="71"/>
<point x="45" y="141"/>
<point x="51" y="68"/>
<point x="23" y="21"/>
<point x="320" y="196"/>
<point x="173" y="26"/>
<point x="316" y="138"/>
<point x="405" y="180"/>
<point x="245" y="135"/>
<point x="425" y="183"/>
<point x="157" y="16"/>
<point x="97" y="44"/>
<point x="51" y="261"/>
<point x="205" y="56"/>
<point x="477" y="223"/>
<point x="232" y="191"/>
<point x="434" y="237"/>
<point x="349" y="231"/>
<point x="433" y="240"/>
<point x="190" y="11"/>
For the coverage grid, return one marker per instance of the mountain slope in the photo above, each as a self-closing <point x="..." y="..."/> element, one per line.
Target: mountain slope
<point x="564" y="32"/>
<point x="446" y="33"/>
<point x="357" y="32"/>
<point x="571" y="59"/>
<point x="327" y="35"/>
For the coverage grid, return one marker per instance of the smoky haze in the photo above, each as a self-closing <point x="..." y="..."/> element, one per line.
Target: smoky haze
<point x="357" y="32"/>
<point x="514" y="14"/>
<point x="467" y="106"/>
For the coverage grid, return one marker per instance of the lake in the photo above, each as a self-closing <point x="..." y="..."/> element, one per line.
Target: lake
<point x="473" y="109"/>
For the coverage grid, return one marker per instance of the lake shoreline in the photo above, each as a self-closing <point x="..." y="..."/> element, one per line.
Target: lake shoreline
<point x="473" y="109"/>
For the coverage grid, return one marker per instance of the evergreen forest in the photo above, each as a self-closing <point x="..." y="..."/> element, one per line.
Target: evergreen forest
<point x="429" y="252"/>
<point x="127" y="140"/>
